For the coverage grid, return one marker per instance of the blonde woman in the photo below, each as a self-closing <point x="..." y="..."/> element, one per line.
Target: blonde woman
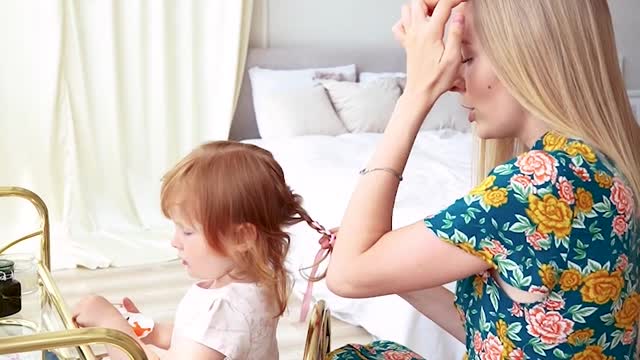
<point x="545" y="248"/>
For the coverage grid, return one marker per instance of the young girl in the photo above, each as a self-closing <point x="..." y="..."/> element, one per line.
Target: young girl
<point x="230" y="203"/>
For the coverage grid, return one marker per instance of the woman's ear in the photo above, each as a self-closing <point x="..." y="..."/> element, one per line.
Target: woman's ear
<point x="246" y="235"/>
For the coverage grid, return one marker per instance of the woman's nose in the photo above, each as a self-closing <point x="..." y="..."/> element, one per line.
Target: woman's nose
<point x="459" y="85"/>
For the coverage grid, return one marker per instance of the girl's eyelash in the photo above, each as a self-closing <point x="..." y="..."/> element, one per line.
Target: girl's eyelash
<point x="467" y="60"/>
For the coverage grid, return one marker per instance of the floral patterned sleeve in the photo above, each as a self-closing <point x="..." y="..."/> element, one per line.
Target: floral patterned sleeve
<point x="512" y="218"/>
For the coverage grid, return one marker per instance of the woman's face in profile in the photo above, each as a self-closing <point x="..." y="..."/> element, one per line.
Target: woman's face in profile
<point x="495" y="113"/>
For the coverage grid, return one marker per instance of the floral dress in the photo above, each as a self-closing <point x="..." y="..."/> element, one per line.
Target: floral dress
<point x="558" y="220"/>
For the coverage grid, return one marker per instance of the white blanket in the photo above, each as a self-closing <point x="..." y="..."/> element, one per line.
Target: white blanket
<point x="324" y="170"/>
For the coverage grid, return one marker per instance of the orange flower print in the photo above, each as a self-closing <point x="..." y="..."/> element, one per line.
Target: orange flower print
<point x="503" y="329"/>
<point x="578" y="148"/>
<point x="584" y="201"/>
<point x="604" y="181"/>
<point x="580" y="337"/>
<point x="622" y="198"/>
<point x="540" y="164"/>
<point x="601" y="287"/>
<point x="495" y="197"/>
<point x="592" y="353"/>
<point x="552" y="142"/>
<point x="478" y="285"/>
<point x="627" y="316"/>
<point x="620" y="225"/>
<point x="565" y="189"/>
<point x="487" y="183"/>
<point x="550" y="327"/>
<point x="551" y="214"/>
<point x="580" y="172"/>
<point x="548" y="275"/>
<point x="570" y="280"/>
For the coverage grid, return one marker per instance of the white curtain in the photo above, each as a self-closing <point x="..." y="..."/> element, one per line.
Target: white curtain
<point x="137" y="85"/>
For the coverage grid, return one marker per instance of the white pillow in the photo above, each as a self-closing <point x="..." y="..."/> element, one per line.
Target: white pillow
<point x="304" y="111"/>
<point x="364" y="107"/>
<point x="268" y="81"/>
<point x="371" y="76"/>
<point x="447" y="112"/>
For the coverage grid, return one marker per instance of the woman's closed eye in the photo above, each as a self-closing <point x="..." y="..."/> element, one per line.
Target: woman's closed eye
<point x="467" y="60"/>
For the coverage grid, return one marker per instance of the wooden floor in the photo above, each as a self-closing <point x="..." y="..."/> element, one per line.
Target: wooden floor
<point x="158" y="288"/>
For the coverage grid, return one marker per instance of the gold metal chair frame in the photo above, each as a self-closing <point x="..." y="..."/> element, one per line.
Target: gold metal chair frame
<point x="72" y="336"/>
<point x="318" y="344"/>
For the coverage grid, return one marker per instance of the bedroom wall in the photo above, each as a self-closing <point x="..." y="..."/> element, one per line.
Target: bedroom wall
<point x="339" y="23"/>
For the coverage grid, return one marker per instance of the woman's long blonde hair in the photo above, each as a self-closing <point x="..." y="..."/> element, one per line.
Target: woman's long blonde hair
<point x="559" y="60"/>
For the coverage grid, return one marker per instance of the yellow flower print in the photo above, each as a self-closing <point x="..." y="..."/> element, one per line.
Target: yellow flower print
<point x="483" y="254"/>
<point x="551" y="214"/>
<point x="570" y="280"/>
<point x="592" y="353"/>
<point x="578" y="148"/>
<point x="486" y="256"/>
<point x="483" y="186"/>
<point x="466" y="247"/>
<point x="553" y="142"/>
<point x="548" y="275"/>
<point x="601" y="287"/>
<point x="502" y="330"/>
<point x="580" y="337"/>
<point x="478" y="285"/>
<point x="584" y="201"/>
<point x="627" y="316"/>
<point x="495" y="197"/>
<point x="604" y="181"/>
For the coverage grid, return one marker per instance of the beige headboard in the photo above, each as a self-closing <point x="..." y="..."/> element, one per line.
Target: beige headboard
<point x="367" y="60"/>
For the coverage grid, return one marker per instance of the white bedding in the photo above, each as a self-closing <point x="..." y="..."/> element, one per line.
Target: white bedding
<point x="324" y="171"/>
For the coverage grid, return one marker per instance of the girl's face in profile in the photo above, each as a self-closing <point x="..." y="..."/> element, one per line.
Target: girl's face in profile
<point x="198" y="257"/>
<point x="495" y="113"/>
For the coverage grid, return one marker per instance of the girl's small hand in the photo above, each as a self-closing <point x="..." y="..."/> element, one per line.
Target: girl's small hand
<point x="129" y="305"/>
<point x="96" y="311"/>
<point x="432" y="64"/>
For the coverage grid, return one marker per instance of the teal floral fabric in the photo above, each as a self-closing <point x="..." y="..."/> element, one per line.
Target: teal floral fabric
<point x="558" y="221"/>
<point x="379" y="350"/>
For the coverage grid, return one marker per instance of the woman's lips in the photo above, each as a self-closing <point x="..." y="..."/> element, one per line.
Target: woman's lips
<point x="472" y="113"/>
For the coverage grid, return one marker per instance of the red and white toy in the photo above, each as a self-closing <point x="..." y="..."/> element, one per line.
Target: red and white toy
<point x="140" y="324"/>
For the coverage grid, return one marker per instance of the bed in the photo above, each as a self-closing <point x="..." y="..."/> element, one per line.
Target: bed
<point x="324" y="170"/>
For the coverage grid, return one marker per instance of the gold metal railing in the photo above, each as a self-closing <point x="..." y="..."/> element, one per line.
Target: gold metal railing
<point x="71" y="337"/>
<point x="318" y="342"/>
